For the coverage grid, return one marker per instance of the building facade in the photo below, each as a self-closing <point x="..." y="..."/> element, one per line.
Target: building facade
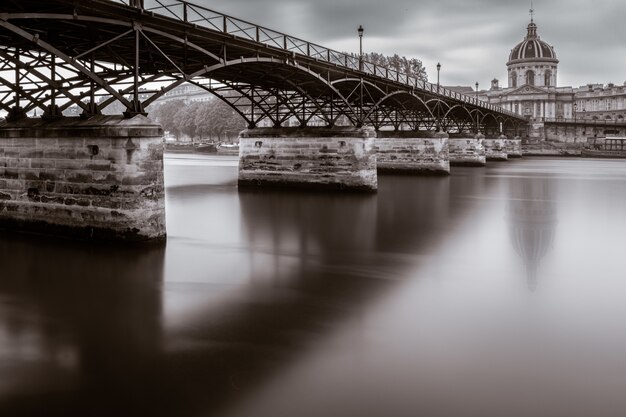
<point x="533" y="89"/>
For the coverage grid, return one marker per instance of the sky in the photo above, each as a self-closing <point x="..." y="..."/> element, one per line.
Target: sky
<point x="471" y="38"/>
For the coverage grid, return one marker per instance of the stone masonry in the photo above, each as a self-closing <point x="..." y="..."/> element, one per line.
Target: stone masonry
<point x="402" y="152"/>
<point x="320" y="158"/>
<point x="467" y="152"/>
<point x="514" y="147"/>
<point x="495" y="149"/>
<point x="96" y="179"/>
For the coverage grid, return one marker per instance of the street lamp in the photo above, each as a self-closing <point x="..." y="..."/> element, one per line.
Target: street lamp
<point x="438" y="104"/>
<point x="360" y="30"/>
<point x="438" y="69"/>
<point x="477" y="130"/>
<point x="575" y="128"/>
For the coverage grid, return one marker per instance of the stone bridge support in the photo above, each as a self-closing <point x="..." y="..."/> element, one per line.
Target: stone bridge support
<point x="96" y="179"/>
<point x="514" y="147"/>
<point x="467" y="151"/>
<point x="318" y="158"/>
<point x="495" y="149"/>
<point x="403" y="153"/>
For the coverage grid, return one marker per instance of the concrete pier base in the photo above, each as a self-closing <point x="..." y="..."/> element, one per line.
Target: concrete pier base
<point x="96" y="179"/>
<point x="495" y="149"/>
<point x="514" y="147"/>
<point x="467" y="152"/>
<point x="399" y="152"/>
<point x="318" y="158"/>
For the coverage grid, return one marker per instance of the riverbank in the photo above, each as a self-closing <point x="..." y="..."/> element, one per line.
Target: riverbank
<point x="545" y="148"/>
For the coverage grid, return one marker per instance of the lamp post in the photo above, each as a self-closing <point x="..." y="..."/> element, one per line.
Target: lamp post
<point x="575" y="128"/>
<point x="438" y="69"/>
<point x="360" y="30"/>
<point x="438" y="104"/>
<point x="477" y="130"/>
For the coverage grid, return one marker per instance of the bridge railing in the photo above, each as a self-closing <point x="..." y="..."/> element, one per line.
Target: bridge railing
<point x="192" y="13"/>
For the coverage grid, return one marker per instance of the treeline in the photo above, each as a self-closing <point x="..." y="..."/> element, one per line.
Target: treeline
<point x="410" y="66"/>
<point x="213" y="120"/>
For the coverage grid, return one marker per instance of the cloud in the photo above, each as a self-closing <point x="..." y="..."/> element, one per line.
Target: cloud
<point x="472" y="39"/>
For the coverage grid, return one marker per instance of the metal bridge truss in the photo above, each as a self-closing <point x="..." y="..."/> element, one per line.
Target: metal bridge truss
<point x="55" y="54"/>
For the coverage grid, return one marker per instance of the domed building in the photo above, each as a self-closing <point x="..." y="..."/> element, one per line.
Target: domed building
<point x="532" y="74"/>
<point x="532" y="62"/>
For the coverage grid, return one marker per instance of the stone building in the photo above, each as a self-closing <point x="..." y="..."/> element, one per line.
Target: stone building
<point x="599" y="102"/>
<point x="533" y="90"/>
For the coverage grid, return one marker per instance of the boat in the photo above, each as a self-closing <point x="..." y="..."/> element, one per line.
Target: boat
<point x="605" y="147"/>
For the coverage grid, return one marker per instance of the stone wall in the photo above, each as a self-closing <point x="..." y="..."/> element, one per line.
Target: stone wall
<point x="467" y="152"/>
<point x="576" y="134"/>
<point x="513" y="147"/>
<point x="400" y="154"/>
<point x="495" y="149"/>
<point x="536" y="131"/>
<point x="96" y="179"/>
<point x="324" y="158"/>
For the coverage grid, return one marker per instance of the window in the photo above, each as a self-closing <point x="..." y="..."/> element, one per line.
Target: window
<point x="514" y="79"/>
<point x="548" y="78"/>
<point x="530" y="77"/>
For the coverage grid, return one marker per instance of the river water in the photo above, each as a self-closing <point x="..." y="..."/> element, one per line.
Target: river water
<point x="497" y="291"/>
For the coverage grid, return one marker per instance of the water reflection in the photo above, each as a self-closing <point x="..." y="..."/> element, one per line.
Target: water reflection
<point x="329" y="304"/>
<point x="532" y="219"/>
<point x="73" y="319"/>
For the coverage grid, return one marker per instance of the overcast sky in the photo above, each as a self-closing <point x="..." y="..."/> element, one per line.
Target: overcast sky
<point x="471" y="38"/>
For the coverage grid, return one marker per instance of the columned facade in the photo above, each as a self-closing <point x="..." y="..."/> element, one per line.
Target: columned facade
<point x="532" y="89"/>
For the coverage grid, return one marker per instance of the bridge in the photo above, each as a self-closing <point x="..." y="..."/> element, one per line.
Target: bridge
<point x="354" y="118"/>
<point x="68" y="53"/>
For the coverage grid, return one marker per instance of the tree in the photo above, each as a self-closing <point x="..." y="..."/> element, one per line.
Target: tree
<point x="213" y="119"/>
<point x="412" y="67"/>
<point x="165" y="115"/>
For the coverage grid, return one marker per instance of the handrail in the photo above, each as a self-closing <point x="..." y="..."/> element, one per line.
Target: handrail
<point x="201" y="16"/>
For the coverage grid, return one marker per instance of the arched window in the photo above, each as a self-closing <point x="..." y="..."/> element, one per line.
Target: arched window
<point x="530" y="77"/>
<point x="513" y="79"/>
<point x="548" y="78"/>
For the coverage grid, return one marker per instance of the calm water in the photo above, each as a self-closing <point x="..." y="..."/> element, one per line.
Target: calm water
<point x="498" y="291"/>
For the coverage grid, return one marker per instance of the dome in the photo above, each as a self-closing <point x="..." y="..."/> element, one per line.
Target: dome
<point x="532" y="48"/>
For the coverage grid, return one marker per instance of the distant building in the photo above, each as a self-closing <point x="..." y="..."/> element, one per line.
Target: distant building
<point x="188" y="93"/>
<point x="533" y="91"/>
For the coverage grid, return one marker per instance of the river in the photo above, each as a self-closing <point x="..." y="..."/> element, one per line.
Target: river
<point x="497" y="291"/>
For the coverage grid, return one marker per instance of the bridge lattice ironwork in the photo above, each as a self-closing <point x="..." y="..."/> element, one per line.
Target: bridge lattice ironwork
<point x="56" y="54"/>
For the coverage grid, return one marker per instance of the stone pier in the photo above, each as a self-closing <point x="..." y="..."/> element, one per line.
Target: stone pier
<point x="96" y="179"/>
<point x="404" y="153"/>
<point x="495" y="149"/>
<point x="514" y="147"/>
<point x="318" y="158"/>
<point x="467" y="152"/>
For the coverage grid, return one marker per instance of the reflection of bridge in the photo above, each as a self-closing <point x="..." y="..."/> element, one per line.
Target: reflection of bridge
<point x="72" y="51"/>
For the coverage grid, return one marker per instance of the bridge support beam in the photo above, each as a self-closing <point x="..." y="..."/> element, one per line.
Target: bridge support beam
<point x="514" y="147"/>
<point x="495" y="149"/>
<point x="317" y="158"/>
<point x="403" y="153"/>
<point x="467" y="151"/>
<point x="96" y="179"/>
